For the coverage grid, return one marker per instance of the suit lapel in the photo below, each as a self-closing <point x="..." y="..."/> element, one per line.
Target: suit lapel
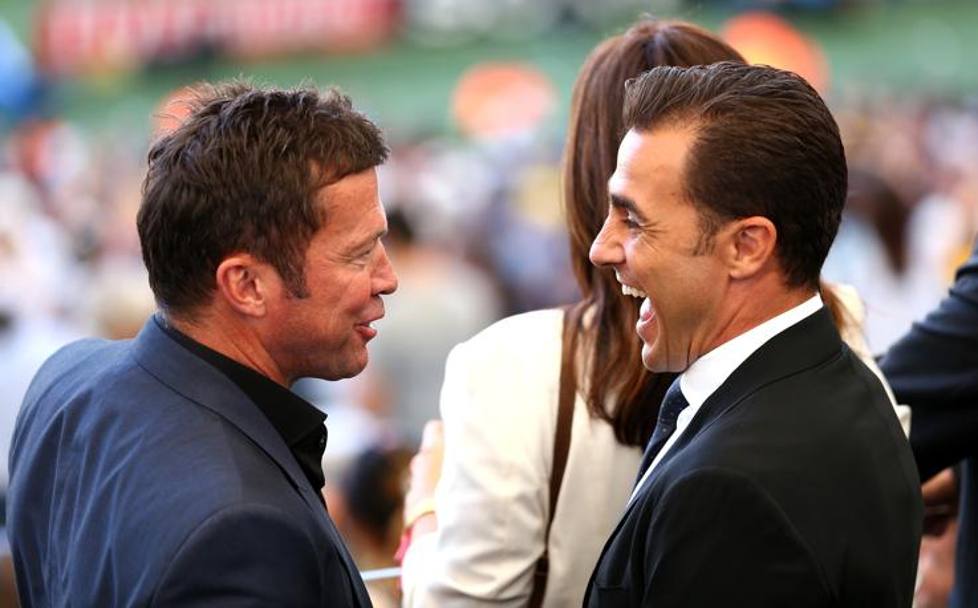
<point x="806" y="344"/>
<point x="187" y="374"/>
<point x="198" y="381"/>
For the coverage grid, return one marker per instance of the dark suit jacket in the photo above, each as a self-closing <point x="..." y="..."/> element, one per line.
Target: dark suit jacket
<point x="792" y="486"/>
<point x="141" y="475"/>
<point x="934" y="370"/>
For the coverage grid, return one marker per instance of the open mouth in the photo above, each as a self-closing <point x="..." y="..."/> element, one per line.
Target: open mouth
<point x="646" y="313"/>
<point x="628" y="290"/>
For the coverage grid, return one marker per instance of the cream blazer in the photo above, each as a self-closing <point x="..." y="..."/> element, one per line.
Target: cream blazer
<point x="499" y="408"/>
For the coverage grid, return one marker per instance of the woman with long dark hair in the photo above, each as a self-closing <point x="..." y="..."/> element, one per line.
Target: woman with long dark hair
<point x="503" y="529"/>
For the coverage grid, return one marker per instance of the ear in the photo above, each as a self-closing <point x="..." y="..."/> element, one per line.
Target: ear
<point x="245" y="284"/>
<point x="751" y="246"/>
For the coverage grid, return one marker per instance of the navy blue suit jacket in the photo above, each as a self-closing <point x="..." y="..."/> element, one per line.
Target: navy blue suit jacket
<point x="934" y="370"/>
<point x="142" y="476"/>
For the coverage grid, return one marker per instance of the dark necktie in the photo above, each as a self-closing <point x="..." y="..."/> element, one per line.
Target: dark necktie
<point x="673" y="403"/>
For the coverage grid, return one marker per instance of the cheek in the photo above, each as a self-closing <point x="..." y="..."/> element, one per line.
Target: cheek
<point x="356" y="296"/>
<point x="652" y="268"/>
<point x="697" y="291"/>
<point x="682" y="291"/>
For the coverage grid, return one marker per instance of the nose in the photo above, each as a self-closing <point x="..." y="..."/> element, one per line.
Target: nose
<point x="606" y="250"/>
<point x="385" y="279"/>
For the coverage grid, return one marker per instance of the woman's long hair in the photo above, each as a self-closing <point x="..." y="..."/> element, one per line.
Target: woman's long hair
<point x="616" y="388"/>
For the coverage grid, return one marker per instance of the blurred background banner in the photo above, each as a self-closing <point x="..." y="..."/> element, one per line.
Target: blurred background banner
<point x="74" y="37"/>
<point x="473" y="96"/>
<point x="109" y="61"/>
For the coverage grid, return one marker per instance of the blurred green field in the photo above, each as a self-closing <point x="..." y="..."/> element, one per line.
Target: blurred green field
<point x="924" y="47"/>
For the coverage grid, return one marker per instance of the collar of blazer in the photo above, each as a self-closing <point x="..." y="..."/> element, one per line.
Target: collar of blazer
<point x="805" y="345"/>
<point x="188" y="375"/>
<point x="193" y="378"/>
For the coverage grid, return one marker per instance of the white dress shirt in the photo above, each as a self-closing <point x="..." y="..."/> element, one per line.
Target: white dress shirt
<point x="707" y="373"/>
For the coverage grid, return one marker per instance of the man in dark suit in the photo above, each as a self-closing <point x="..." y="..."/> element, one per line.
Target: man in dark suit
<point x="934" y="370"/>
<point x="178" y="468"/>
<point x="777" y="474"/>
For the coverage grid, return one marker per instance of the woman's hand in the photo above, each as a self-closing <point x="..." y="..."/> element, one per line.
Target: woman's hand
<point x="419" y="502"/>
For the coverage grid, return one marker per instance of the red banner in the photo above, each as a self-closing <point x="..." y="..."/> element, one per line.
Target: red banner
<point x="75" y="36"/>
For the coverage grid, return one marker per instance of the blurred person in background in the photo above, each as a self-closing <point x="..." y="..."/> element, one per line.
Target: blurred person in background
<point x="910" y="219"/>
<point x="500" y="396"/>
<point x="367" y="506"/>
<point x="178" y="468"/>
<point x="33" y="261"/>
<point x="441" y="301"/>
<point x="935" y="569"/>
<point x="478" y="538"/>
<point x="934" y="369"/>
<point x="888" y="248"/>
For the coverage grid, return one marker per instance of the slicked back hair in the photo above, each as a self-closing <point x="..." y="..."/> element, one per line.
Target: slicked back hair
<point x="765" y="145"/>
<point x="241" y="175"/>
<point x="614" y="386"/>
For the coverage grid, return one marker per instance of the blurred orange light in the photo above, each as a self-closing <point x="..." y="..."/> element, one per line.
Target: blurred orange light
<point x="493" y="99"/>
<point x="172" y="111"/>
<point x="768" y="39"/>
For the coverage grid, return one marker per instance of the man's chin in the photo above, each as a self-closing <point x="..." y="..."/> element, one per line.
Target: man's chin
<point x="353" y="370"/>
<point x="651" y="359"/>
<point x="657" y="362"/>
<point x="341" y="371"/>
<point x="361" y="364"/>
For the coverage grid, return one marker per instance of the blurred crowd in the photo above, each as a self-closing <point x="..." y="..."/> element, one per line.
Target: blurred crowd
<point x="476" y="233"/>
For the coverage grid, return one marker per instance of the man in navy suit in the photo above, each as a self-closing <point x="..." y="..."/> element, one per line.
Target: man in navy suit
<point x="777" y="473"/>
<point x="934" y="370"/>
<point x="178" y="468"/>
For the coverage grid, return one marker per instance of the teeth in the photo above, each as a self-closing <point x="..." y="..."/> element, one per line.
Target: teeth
<point x="628" y="290"/>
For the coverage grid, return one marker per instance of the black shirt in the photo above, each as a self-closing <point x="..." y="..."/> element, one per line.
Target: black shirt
<point x="298" y="422"/>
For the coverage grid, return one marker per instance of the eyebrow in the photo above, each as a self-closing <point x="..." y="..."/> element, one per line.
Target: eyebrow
<point x="623" y="202"/>
<point x="375" y="237"/>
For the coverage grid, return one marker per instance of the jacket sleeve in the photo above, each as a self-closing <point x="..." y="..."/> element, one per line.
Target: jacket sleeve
<point x="717" y="539"/>
<point x="491" y="502"/>
<point x="934" y="370"/>
<point x="244" y="556"/>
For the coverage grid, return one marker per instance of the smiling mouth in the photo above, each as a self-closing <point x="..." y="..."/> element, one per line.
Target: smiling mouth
<point x="646" y="313"/>
<point x="628" y="290"/>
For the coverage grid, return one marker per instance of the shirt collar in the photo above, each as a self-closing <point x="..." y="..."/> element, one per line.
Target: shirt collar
<point x="707" y="373"/>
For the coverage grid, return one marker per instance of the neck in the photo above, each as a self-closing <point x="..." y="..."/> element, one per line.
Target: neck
<point x="233" y="338"/>
<point x="751" y="304"/>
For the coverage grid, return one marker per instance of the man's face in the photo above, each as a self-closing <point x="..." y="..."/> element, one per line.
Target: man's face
<point x="346" y="271"/>
<point x="652" y="238"/>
